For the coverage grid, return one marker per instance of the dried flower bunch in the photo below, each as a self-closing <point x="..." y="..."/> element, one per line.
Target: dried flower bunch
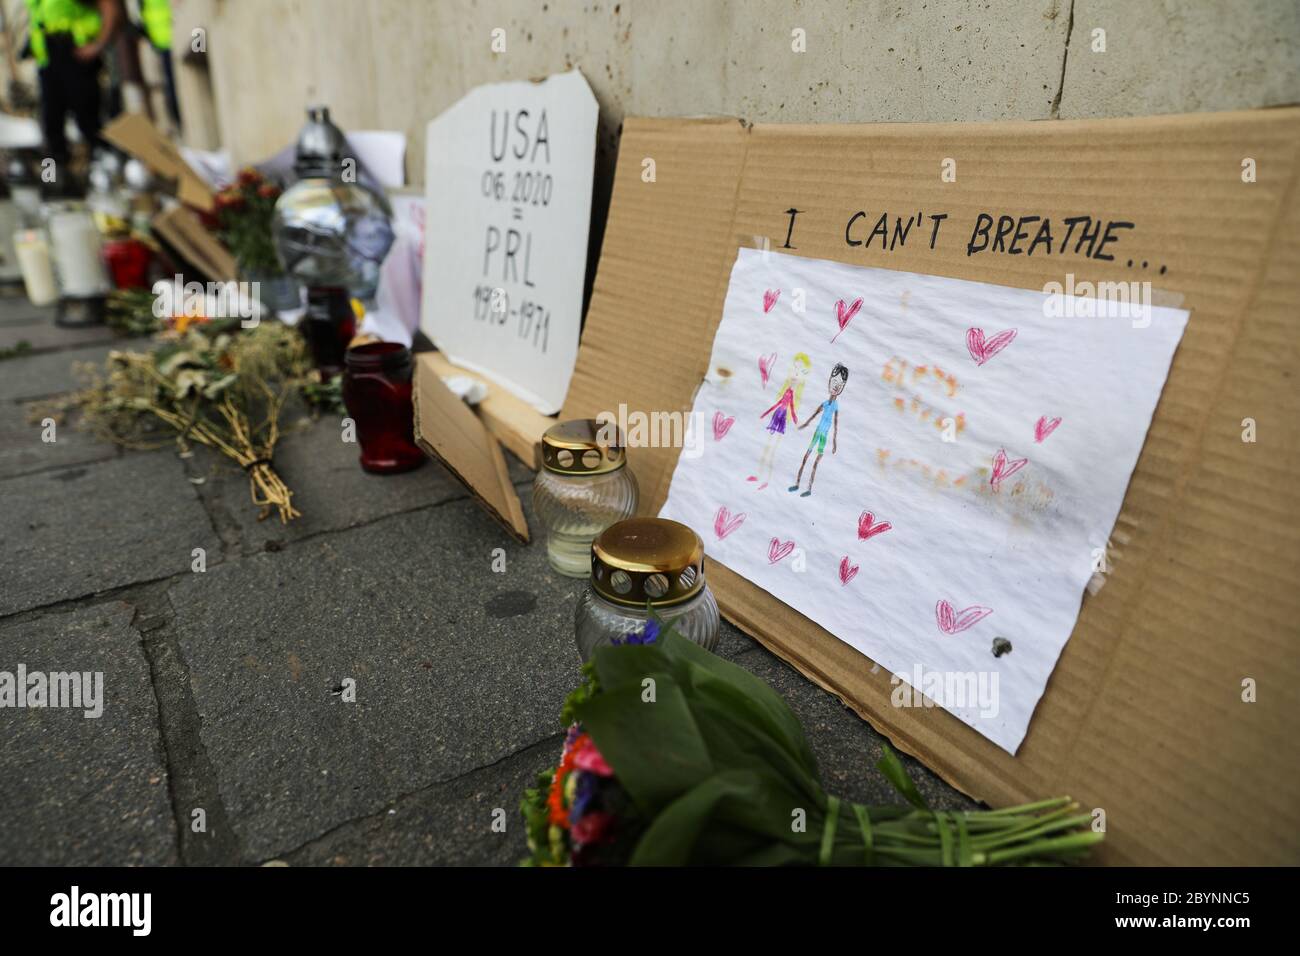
<point x="214" y="384"/>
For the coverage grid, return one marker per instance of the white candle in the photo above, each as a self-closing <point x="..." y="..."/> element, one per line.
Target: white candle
<point x="78" y="261"/>
<point x="34" y="261"/>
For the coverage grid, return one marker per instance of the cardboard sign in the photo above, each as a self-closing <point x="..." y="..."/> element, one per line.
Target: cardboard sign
<point x="134" y="134"/>
<point x="1172" y="707"/>
<point x="509" y="173"/>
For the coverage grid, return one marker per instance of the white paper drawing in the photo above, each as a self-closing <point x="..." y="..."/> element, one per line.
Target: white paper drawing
<point x="927" y="467"/>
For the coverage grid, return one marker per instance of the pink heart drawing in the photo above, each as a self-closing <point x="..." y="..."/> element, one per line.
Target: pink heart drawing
<point x="1045" y="427"/>
<point x="954" y="622"/>
<point x="1004" y="467"/>
<point x="847" y="571"/>
<point x="724" y="522"/>
<point x="845" y="313"/>
<point x="765" y="363"/>
<point x="722" y="425"/>
<point x="867" y="529"/>
<point x="981" y="350"/>
<point x="778" y="549"/>
<point x="769" y="299"/>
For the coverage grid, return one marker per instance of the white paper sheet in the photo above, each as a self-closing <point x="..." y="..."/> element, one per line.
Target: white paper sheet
<point x="985" y="439"/>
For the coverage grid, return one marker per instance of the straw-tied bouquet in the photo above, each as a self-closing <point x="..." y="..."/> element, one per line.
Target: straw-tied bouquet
<point x="676" y="757"/>
<point x="212" y="383"/>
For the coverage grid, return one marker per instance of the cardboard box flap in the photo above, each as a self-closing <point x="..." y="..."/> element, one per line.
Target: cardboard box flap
<point x="447" y="429"/>
<point x="514" y="422"/>
<point x="134" y="134"/>
<point x="180" y="228"/>
<point x="1151" y="714"/>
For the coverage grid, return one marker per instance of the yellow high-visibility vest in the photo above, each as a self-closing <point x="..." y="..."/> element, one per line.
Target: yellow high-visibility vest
<point x="61" y="16"/>
<point x="157" y="17"/>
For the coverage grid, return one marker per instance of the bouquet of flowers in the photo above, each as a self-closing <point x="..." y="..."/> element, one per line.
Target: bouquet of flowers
<point x="676" y="757"/>
<point x="243" y="222"/>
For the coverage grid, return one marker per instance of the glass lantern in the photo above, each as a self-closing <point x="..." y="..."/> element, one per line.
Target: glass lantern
<point x="330" y="228"/>
<point x="583" y="487"/>
<point x="642" y="566"/>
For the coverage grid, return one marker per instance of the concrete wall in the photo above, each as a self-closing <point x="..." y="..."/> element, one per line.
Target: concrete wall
<point x="397" y="63"/>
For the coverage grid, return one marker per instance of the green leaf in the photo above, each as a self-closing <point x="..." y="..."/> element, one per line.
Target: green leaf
<point x="732" y="817"/>
<point x="654" y="747"/>
<point x="892" y="769"/>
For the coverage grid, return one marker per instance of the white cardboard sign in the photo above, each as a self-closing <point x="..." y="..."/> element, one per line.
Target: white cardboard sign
<point x="508" y="181"/>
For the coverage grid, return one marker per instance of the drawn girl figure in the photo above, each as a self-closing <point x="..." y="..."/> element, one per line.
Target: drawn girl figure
<point x="786" y="406"/>
<point x="828" y="423"/>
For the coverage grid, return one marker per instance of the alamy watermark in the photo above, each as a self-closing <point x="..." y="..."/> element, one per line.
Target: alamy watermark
<point x="75" y="908"/>
<point x="951" y="690"/>
<point x="637" y="429"/>
<point x="77" y="690"/>
<point x="215" y="300"/>
<point x="1098" y="300"/>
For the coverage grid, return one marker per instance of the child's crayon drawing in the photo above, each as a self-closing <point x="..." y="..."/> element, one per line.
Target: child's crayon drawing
<point x="1044" y="427"/>
<point x="909" y="502"/>
<point x="827" y="416"/>
<point x="982" y="349"/>
<point x="785" y="409"/>
<point x="1004" y="467"/>
<point x="721" y="425"/>
<point x="724" y="522"/>
<point x="847" y="571"/>
<point x="902" y="373"/>
<point x="844" y="314"/>
<point x="954" y="622"/>
<point x="869" y="527"/>
<point x="778" y="549"/>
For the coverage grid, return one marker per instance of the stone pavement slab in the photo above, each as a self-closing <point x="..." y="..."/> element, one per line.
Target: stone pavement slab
<point x="89" y="791"/>
<point x="328" y="485"/>
<point x="47" y="373"/>
<point x="78" y="531"/>
<point x="24" y="450"/>
<point x="448" y="824"/>
<point x="455" y="667"/>
<point x="39" y="332"/>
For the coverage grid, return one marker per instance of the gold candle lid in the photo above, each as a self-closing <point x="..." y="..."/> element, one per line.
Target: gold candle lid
<point x="647" y="559"/>
<point x="583" y="446"/>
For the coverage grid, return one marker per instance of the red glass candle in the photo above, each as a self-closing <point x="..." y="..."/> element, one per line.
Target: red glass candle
<point x="377" y="392"/>
<point x="128" y="263"/>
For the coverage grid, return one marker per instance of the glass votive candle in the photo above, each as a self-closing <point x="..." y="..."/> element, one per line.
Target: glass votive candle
<point x="640" y="562"/>
<point x="377" y="393"/>
<point x="583" y="487"/>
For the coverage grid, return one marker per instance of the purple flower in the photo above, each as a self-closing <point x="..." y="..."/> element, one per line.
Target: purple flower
<point x="648" y="634"/>
<point x="586" y="790"/>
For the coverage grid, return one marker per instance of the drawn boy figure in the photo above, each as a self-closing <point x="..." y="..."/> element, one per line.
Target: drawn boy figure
<point x="827" y="415"/>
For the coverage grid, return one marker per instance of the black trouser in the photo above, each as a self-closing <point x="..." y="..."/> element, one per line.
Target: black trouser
<point x="169" y="84"/>
<point x="68" y="85"/>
